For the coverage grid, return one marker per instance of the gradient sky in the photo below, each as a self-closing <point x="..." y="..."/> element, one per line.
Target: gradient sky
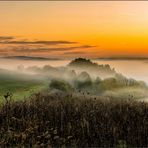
<point x="75" y="28"/>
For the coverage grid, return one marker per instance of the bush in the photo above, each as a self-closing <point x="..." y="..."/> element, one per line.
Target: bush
<point x="61" y="85"/>
<point x="83" y="81"/>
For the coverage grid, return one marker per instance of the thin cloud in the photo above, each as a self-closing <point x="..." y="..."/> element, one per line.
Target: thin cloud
<point x="14" y="45"/>
<point x="87" y="46"/>
<point x="40" y="42"/>
<point x="6" y="37"/>
<point x="44" y="49"/>
<point x="78" y="52"/>
<point x="2" y="51"/>
<point x="17" y="41"/>
<point x="20" y="57"/>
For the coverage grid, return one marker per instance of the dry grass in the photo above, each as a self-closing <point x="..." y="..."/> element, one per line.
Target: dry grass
<point x="47" y="121"/>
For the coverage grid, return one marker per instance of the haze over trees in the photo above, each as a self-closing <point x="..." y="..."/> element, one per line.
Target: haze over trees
<point x="92" y="68"/>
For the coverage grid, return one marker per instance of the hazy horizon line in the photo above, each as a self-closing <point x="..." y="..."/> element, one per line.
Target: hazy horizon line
<point x="21" y="57"/>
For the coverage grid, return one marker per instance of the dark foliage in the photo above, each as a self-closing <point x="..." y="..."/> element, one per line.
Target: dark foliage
<point x="60" y="85"/>
<point x="45" y="121"/>
<point x="83" y="62"/>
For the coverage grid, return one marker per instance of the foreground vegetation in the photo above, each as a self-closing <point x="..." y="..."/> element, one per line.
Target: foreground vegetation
<point x="56" y="120"/>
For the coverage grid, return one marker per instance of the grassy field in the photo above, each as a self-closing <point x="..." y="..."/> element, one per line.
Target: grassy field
<point x="20" y="85"/>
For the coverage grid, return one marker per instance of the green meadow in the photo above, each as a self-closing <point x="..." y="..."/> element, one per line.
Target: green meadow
<point x="20" y="85"/>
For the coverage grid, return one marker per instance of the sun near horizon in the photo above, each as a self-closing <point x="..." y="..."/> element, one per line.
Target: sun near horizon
<point x="74" y="29"/>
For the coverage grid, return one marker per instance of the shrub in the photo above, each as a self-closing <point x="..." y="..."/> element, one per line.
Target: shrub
<point x="61" y="85"/>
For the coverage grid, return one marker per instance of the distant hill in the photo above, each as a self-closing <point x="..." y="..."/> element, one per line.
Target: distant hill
<point x="123" y="58"/>
<point x="29" y="58"/>
<point x="82" y="64"/>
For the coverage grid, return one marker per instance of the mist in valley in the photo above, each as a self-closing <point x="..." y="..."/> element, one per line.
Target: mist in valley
<point x="79" y="77"/>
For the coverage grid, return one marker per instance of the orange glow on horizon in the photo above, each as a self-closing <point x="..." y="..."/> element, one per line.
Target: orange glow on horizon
<point x="112" y="28"/>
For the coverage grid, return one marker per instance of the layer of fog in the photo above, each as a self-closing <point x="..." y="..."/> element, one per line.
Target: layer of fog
<point x="130" y="69"/>
<point x="94" y="79"/>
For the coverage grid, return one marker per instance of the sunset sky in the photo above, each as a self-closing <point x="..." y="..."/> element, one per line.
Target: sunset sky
<point x="74" y="29"/>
